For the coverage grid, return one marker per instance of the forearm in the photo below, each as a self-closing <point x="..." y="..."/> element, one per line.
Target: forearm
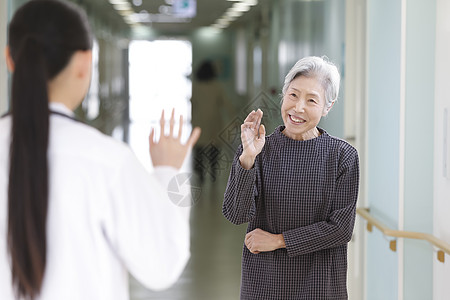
<point x="246" y="161"/>
<point x="335" y="232"/>
<point x="239" y="199"/>
<point x="146" y="229"/>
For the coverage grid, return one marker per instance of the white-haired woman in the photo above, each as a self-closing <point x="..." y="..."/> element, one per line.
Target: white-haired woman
<point x="297" y="188"/>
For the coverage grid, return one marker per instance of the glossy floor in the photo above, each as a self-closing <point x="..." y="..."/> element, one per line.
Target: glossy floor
<point x="213" y="272"/>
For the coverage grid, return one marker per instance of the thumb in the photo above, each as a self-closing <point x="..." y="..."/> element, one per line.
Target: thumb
<point x="262" y="131"/>
<point x="194" y="137"/>
<point x="151" y="138"/>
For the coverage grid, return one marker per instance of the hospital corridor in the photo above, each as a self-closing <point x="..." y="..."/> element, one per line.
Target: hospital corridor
<point x="217" y="64"/>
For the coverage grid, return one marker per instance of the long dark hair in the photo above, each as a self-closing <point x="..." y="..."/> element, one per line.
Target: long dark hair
<point x="43" y="36"/>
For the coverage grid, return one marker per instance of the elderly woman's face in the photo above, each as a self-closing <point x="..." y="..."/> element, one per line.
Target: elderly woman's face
<point x="303" y="106"/>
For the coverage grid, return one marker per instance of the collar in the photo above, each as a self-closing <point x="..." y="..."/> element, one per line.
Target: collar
<point x="59" y="108"/>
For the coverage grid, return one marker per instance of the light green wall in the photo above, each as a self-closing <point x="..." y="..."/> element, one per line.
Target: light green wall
<point x="383" y="42"/>
<point x="314" y="28"/>
<point x="384" y="138"/>
<point x="419" y="149"/>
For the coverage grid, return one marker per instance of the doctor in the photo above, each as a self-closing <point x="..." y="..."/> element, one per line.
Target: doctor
<point x="77" y="210"/>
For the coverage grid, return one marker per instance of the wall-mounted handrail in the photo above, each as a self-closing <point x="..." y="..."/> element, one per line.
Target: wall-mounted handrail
<point x="372" y="221"/>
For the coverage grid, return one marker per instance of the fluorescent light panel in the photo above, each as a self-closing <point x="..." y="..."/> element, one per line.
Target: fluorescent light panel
<point x="239" y="6"/>
<point x="126" y="6"/>
<point x="113" y="2"/>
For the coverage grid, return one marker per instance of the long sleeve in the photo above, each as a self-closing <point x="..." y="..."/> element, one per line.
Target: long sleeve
<point x="338" y="228"/>
<point x="239" y="199"/>
<point x="149" y="233"/>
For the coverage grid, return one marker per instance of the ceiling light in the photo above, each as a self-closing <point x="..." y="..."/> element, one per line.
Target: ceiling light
<point x="217" y="26"/>
<point x="124" y="13"/>
<point x="250" y="2"/>
<point x="223" y="22"/>
<point x="220" y="26"/>
<point x="113" y="2"/>
<point x="239" y="6"/>
<point x="229" y="18"/>
<point x="232" y="13"/>
<point x="125" y="6"/>
<point x="164" y="9"/>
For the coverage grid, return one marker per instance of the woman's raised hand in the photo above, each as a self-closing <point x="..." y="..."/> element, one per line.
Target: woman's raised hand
<point x="253" y="137"/>
<point x="169" y="151"/>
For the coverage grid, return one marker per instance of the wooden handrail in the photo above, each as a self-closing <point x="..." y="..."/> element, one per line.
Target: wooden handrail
<point x="372" y="221"/>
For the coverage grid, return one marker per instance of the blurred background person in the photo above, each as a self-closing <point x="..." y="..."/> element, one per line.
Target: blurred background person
<point x="210" y="110"/>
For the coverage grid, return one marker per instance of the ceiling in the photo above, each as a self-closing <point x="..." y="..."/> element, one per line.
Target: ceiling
<point x="207" y="12"/>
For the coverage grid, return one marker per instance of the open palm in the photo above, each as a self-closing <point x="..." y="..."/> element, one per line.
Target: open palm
<point x="253" y="134"/>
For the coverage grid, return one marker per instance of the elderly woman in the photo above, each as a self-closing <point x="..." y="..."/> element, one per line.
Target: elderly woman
<point x="297" y="188"/>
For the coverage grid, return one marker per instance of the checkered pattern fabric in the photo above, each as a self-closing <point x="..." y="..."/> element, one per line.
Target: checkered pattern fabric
<point x="306" y="190"/>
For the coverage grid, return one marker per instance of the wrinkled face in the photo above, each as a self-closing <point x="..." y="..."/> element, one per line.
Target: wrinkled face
<point x="303" y="106"/>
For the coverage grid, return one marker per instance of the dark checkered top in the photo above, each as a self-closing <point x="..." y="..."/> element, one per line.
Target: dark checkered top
<point x="307" y="191"/>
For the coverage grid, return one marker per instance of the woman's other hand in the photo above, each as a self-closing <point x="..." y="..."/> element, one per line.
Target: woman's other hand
<point x="259" y="240"/>
<point x="169" y="151"/>
<point x="253" y="137"/>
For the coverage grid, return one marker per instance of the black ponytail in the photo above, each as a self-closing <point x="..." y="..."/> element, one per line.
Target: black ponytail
<point x="28" y="177"/>
<point x="43" y="35"/>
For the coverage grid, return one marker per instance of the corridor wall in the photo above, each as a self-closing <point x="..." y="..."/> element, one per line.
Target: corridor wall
<point x="400" y="145"/>
<point x="419" y="71"/>
<point x="314" y="28"/>
<point x="383" y="43"/>
<point x="441" y="272"/>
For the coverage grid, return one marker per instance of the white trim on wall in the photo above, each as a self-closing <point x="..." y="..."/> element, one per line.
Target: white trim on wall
<point x="441" y="203"/>
<point x="355" y="119"/>
<point x="401" y="177"/>
<point x="365" y="133"/>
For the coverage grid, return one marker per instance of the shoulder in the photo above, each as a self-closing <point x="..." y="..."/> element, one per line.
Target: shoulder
<point x="83" y="142"/>
<point x="274" y="137"/>
<point x="340" y="149"/>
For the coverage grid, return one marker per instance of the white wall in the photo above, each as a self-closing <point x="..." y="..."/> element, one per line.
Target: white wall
<point x="3" y="74"/>
<point x="441" y="272"/>
<point x="355" y="130"/>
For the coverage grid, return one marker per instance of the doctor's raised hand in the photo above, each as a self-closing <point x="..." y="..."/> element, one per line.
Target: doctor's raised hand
<point x="252" y="137"/>
<point x="168" y="150"/>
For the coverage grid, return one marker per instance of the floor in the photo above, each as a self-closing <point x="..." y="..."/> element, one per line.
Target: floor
<point x="213" y="272"/>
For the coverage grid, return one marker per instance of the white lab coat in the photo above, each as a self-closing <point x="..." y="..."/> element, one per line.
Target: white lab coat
<point x="106" y="216"/>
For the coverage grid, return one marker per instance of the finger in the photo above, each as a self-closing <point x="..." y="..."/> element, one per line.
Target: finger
<point x="262" y="131"/>
<point x="258" y="118"/>
<point x="162" y="123"/>
<point x="194" y="137"/>
<point x="249" y="246"/>
<point x="172" y="122"/>
<point x="247" y="238"/>
<point x="246" y="243"/>
<point x="180" y="129"/>
<point x="151" y="138"/>
<point x="250" y="116"/>
<point x="260" y="113"/>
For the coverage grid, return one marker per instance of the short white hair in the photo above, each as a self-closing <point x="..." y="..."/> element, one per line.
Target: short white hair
<point x="322" y="69"/>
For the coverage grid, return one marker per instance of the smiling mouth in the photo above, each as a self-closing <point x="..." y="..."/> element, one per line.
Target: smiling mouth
<point x="296" y="120"/>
